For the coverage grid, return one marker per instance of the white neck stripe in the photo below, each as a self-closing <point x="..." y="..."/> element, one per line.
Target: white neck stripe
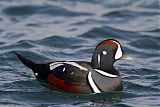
<point x="105" y="73"/>
<point x="93" y="85"/>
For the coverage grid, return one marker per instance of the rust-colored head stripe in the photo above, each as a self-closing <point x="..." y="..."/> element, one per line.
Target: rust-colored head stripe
<point x="112" y="42"/>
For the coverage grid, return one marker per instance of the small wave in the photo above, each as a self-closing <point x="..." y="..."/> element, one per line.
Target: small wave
<point x="28" y="10"/>
<point x="109" y="32"/>
<point x="154" y="4"/>
<point x="146" y="42"/>
<point x="156" y="30"/>
<point x="60" y="42"/>
<point x="129" y="14"/>
<point x="2" y="42"/>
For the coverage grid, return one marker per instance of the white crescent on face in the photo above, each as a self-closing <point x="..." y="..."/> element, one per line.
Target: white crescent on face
<point x="119" y="53"/>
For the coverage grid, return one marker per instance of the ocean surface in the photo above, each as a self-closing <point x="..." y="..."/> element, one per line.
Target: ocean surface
<point x="49" y="30"/>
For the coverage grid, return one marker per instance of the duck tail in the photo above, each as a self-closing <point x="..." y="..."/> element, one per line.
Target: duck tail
<point x="30" y="64"/>
<point x="41" y="69"/>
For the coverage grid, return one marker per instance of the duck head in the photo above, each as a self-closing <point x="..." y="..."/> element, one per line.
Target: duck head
<point x="106" y="54"/>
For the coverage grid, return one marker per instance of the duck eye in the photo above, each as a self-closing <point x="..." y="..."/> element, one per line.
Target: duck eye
<point x="104" y="52"/>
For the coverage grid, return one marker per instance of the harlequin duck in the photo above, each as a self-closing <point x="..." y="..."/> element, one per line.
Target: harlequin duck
<point x="96" y="76"/>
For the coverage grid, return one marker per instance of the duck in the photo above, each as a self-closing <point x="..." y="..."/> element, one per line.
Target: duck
<point x="81" y="77"/>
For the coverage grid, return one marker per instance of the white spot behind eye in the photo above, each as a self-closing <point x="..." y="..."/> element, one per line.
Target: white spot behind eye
<point x="104" y="52"/>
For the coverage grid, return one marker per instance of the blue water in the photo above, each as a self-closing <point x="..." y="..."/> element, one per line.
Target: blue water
<point x="48" y="30"/>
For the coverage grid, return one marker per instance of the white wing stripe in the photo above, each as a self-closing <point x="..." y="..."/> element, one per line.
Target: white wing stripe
<point x="105" y="73"/>
<point x="55" y="66"/>
<point x="77" y="65"/>
<point x="93" y="85"/>
<point x="70" y="63"/>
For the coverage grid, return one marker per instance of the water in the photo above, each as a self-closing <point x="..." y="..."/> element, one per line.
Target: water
<point x="45" y="30"/>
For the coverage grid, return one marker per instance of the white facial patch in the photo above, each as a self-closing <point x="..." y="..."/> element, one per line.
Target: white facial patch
<point x="119" y="53"/>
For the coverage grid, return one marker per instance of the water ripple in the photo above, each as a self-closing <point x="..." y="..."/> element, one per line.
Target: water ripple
<point x="45" y="10"/>
<point x="49" y="30"/>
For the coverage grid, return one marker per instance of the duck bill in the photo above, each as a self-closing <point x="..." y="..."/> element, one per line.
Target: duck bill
<point x="126" y="57"/>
